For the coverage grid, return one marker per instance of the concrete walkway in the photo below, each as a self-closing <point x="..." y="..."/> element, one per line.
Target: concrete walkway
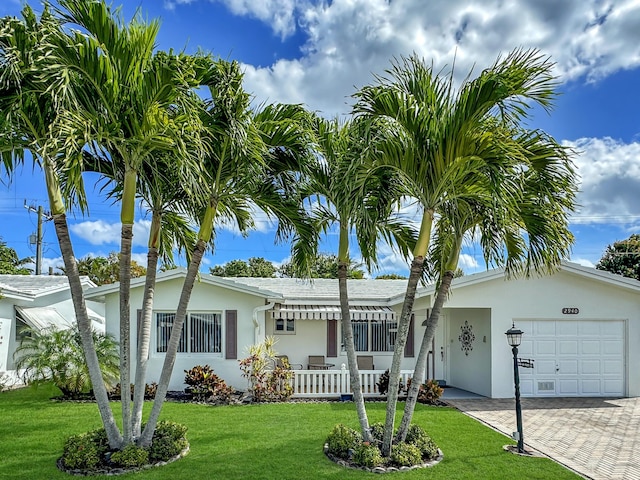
<point x="596" y="437"/>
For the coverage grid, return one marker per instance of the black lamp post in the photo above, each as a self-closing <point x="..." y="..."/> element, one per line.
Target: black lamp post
<point x="514" y="337"/>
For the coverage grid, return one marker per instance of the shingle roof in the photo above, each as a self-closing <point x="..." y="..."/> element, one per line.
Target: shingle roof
<point x="326" y="289"/>
<point x="31" y="286"/>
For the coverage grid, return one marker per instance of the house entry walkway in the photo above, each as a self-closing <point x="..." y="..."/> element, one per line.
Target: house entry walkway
<point x="598" y="438"/>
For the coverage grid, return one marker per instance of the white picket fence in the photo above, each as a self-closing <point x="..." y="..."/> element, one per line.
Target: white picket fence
<point x="335" y="383"/>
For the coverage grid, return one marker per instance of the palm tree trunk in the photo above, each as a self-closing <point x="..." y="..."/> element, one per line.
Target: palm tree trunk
<point x="84" y="326"/>
<point x="144" y="339"/>
<point x="415" y="274"/>
<point x="174" y="341"/>
<point x="419" y="371"/>
<point x="127" y="214"/>
<point x="125" y="331"/>
<point x="398" y="352"/>
<point x="347" y="330"/>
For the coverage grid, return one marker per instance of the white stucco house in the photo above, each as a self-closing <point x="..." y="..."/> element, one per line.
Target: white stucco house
<point x="581" y="328"/>
<point x="38" y="302"/>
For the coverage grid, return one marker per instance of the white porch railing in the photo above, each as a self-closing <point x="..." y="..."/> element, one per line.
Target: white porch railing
<point x="334" y="383"/>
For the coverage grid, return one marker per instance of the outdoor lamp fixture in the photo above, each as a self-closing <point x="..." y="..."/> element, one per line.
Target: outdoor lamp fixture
<point x="514" y="337"/>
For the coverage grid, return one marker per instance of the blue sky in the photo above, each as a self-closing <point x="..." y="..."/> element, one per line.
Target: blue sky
<point x="318" y="53"/>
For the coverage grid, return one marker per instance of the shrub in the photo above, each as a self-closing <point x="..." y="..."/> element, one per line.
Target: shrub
<point x="418" y="437"/>
<point x="342" y="439"/>
<point x="82" y="452"/>
<point x="405" y="455"/>
<point x="205" y="384"/>
<point x="57" y="355"/>
<point x="168" y="440"/>
<point x="383" y="383"/>
<point x="367" y="455"/>
<point x="267" y="384"/>
<point x="430" y="392"/>
<point x="130" y="456"/>
<point x="149" y="390"/>
<point x="377" y="431"/>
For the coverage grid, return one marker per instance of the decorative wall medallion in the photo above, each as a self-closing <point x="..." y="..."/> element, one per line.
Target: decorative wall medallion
<point x="466" y="337"/>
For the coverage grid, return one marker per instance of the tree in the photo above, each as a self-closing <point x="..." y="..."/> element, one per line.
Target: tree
<point x="247" y="157"/>
<point x="255" y="267"/>
<point x="622" y="258"/>
<point x="57" y="355"/>
<point x="136" y="106"/>
<point x="97" y="96"/>
<point x="391" y="276"/>
<point x="324" y="265"/>
<point x="36" y="90"/>
<point x="338" y="200"/>
<point x="104" y="270"/>
<point x="10" y="263"/>
<point x="456" y="149"/>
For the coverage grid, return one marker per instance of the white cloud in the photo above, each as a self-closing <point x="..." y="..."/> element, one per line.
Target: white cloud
<point x="171" y="4"/>
<point x="584" y="262"/>
<point x="348" y="40"/>
<point x="468" y="262"/>
<point x="100" y="232"/>
<point x="610" y="181"/>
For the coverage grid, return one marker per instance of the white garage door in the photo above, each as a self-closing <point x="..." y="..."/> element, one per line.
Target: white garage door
<point x="573" y="358"/>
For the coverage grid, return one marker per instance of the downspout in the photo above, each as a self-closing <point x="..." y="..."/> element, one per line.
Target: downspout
<point x="256" y="323"/>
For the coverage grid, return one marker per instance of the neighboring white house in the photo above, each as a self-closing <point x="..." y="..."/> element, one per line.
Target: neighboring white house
<point x="37" y="302"/>
<point x="581" y="327"/>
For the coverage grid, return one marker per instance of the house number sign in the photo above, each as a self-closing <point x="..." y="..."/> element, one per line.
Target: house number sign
<point x="570" y="310"/>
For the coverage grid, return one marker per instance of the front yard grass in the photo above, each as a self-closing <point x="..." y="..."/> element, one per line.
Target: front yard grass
<point x="270" y="441"/>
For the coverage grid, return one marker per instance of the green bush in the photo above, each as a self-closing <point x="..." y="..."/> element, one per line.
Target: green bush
<point x="430" y="392"/>
<point x="130" y="456"/>
<point x="83" y="451"/>
<point x="342" y="439"/>
<point x="377" y="431"/>
<point x="270" y="381"/>
<point x="57" y="355"/>
<point x="150" y="390"/>
<point x="405" y="455"/>
<point x="418" y="437"/>
<point x="383" y="383"/>
<point x="168" y="440"/>
<point x="206" y="384"/>
<point x="367" y="455"/>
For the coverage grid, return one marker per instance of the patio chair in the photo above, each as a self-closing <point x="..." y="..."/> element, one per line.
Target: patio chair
<point x="280" y="362"/>
<point x="317" y="362"/>
<point x="365" y="362"/>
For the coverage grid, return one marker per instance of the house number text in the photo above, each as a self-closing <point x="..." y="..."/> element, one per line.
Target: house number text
<point x="570" y="311"/>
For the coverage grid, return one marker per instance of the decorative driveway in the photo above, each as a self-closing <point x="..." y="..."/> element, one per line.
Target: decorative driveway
<point x="598" y="438"/>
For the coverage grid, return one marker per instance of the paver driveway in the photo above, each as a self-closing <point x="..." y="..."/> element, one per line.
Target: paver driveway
<point x="598" y="438"/>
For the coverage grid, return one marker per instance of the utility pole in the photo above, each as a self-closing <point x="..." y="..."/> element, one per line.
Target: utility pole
<point x="41" y="214"/>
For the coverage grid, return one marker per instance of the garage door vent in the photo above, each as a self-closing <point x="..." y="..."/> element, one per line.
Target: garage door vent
<point x="546" y="386"/>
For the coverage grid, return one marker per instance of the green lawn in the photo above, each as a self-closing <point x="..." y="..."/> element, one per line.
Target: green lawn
<point x="279" y="441"/>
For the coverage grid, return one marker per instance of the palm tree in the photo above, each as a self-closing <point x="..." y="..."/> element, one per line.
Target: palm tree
<point x="35" y="93"/>
<point x="57" y="355"/>
<point x="338" y="199"/>
<point x="530" y="235"/>
<point x="446" y="144"/>
<point x="248" y="162"/>
<point x="137" y="106"/>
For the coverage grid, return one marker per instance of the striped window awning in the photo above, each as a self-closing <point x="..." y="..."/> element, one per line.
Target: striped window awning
<point x="331" y="312"/>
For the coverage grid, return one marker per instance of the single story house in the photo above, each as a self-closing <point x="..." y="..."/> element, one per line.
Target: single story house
<point x="581" y="328"/>
<point x="38" y="302"/>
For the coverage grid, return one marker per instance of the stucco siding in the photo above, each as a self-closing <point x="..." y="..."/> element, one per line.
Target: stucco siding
<point x="544" y="298"/>
<point x="204" y="298"/>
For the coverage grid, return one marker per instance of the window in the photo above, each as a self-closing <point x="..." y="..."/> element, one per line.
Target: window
<point x="203" y="331"/>
<point x="374" y="335"/>
<point x="285" y="325"/>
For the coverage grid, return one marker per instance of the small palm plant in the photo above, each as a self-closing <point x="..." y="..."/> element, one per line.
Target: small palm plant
<point x="56" y="355"/>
